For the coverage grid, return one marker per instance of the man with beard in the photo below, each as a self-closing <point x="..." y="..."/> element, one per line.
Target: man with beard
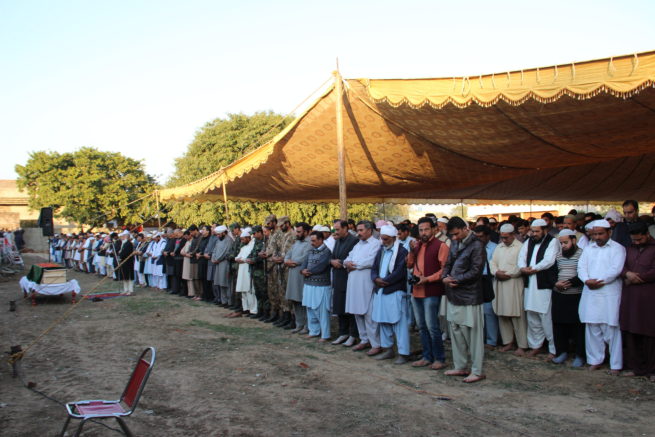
<point x="342" y="247"/>
<point x="566" y="300"/>
<point x="220" y="260"/>
<point x="508" y="288"/>
<point x="294" y="259"/>
<point x="462" y="279"/>
<point x="427" y="259"/>
<point x="537" y="263"/>
<point x="637" y="304"/>
<point x="257" y="268"/>
<point x="244" y="286"/>
<point x="359" y="290"/>
<point x="390" y="311"/>
<point x="581" y="239"/>
<point x="599" y="268"/>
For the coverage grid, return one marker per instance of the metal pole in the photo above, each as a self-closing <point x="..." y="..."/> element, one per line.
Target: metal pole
<point x="341" y="153"/>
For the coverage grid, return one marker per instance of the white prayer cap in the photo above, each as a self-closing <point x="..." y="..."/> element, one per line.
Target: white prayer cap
<point x="613" y="215"/>
<point x="245" y="233"/>
<point x="442" y="220"/>
<point x="589" y="225"/>
<point x="317" y="228"/>
<point x="507" y="228"/>
<point x="124" y="233"/>
<point x="601" y="224"/>
<point x="539" y="223"/>
<point x="493" y="220"/>
<point x="389" y="231"/>
<point x="380" y="223"/>
<point x="324" y="229"/>
<point x="566" y="233"/>
<point x="220" y="229"/>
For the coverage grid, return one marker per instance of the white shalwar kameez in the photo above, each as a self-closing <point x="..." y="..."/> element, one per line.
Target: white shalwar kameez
<point x="359" y="290"/>
<point x="537" y="301"/>
<point x="599" y="309"/>
<point x="158" y="270"/>
<point x="244" y="283"/>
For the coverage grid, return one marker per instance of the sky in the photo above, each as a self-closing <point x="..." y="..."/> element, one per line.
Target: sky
<point x="141" y="77"/>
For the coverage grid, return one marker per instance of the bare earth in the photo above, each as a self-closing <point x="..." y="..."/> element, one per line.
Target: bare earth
<point x="222" y="377"/>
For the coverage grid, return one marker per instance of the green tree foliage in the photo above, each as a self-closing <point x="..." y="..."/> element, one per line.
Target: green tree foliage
<point x="87" y="186"/>
<point x="220" y="143"/>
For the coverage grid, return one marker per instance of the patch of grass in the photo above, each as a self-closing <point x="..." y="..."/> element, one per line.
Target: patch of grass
<point x="145" y="306"/>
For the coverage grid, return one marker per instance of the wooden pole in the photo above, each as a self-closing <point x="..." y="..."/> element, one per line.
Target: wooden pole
<point x="158" y="211"/>
<point x="227" y="210"/>
<point x="341" y="152"/>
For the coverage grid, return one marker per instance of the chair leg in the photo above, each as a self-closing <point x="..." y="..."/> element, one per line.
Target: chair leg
<point x="68" y="419"/>
<point x="124" y="427"/>
<point x="79" y="428"/>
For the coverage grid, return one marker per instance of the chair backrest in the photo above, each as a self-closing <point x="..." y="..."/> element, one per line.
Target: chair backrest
<point x="138" y="380"/>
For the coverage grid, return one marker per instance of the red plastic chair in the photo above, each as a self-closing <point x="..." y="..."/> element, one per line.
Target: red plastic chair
<point x="99" y="409"/>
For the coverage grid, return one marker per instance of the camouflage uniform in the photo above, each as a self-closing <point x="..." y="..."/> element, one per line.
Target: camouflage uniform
<point x="274" y="271"/>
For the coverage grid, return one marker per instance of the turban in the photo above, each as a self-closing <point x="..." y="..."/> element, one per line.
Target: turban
<point x="566" y="233"/>
<point x="507" y="228"/>
<point x="589" y="225"/>
<point x="600" y="224"/>
<point x="442" y="220"/>
<point x="221" y="228"/>
<point x="389" y="231"/>
<point x="245" y="233"/>
<point x="539" y="223"/>
<point x="122" y="234"/>
<point x="318" y="228"/>
<point x="613" y="215"/>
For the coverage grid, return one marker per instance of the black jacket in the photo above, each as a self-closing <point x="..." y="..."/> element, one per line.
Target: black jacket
<point x="465" y="264"/>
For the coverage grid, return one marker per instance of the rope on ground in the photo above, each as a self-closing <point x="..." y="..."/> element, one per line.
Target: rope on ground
<point x="13" y="358"/>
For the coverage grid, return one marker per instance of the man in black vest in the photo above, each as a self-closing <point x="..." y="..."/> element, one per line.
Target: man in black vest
<point x="537" y="261"/>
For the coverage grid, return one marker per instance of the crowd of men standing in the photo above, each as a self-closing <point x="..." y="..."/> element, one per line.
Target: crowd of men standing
<point x="573" y="286"/>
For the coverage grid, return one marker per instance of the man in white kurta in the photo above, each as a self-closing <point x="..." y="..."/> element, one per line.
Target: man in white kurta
<point x="158" y="274"/>
<point x="537" y="301"/>
<point x="359" y="290"/>
<point x="599" y="269"/>
<point x="244" y="284"/>
<point x="508" y="288"/>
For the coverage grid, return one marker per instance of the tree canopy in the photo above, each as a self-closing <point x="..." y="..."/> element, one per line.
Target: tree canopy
<point x="221" y="142"/>
<point x="87" y="186"/>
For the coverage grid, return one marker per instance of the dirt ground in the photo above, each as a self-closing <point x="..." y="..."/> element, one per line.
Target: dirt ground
<point x="223" y="377"/>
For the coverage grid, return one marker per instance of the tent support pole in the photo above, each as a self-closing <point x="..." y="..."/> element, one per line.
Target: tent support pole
<point x="341" y="153"/>
<point x="227" y="211"/>
<point x="158" y="211"/>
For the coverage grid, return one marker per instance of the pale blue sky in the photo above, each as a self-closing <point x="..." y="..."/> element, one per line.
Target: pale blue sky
<point x="140" y="77"/>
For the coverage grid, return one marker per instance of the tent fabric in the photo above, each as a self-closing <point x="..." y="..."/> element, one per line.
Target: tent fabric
<point x="568" y="133"/>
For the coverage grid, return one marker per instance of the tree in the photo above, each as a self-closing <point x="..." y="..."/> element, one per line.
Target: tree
<point x="221" y="142"/>
<point x="87" y="186"/>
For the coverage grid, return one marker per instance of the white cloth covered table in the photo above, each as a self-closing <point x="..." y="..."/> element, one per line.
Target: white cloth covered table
<point x="33" y="288"/>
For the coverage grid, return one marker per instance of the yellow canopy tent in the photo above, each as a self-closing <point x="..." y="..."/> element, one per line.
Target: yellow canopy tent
<point x="563" y="133"/>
